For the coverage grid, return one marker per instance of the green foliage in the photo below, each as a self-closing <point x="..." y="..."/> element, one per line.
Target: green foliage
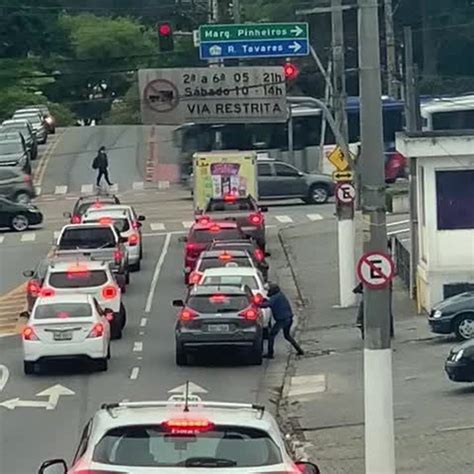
<point x="126" y="110"/>
<point x="63" y="115"/>
<point x="13" y="98"/>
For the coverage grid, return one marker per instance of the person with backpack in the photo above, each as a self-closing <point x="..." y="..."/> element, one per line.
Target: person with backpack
<point x="101" y="163"/>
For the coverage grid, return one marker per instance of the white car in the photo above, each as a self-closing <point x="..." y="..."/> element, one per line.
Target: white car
<point x="128" y="224"/>
<point x="88" y="277"/>
<point x="239" y="276"/>
<point x="69" y="326"/>
<point x="165" y="438"/>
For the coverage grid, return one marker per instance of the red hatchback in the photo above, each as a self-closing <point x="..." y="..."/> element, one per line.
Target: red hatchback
<point x="201" y="234"/>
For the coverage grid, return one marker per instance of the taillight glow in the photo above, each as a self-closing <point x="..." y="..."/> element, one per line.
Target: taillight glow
<point x="259" y="255"/>
<point x="118" y="255"/>
<point x="33" y="288"/>
<point x="251" y="314"/>
<point x="109" y="292"/>
<point x="105" y="221"/>
<point x="76" y="219"/>
<point x="205" y="220"/>
<point x="218" y="299"/>
<point x="97" y="330"/>
<point x="256" y="219"/>
<point x="187" y="314"/>
<point x="97" y="205"/>
<point x="225" y="257"/>
<point x="187" y="426"/>
<point x="46" y="292"/>
<point x="229" y="198"/>
<point x="29" y="334"/>
<point x="215" y="228"/>
<point x="133" y="240"/>
<point x="257" y="298"/>
<point x="195" y="278"/>
<point x="135" y="225"/>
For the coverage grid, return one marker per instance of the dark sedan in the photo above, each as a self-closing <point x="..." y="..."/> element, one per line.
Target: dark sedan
<point x="460" y="363"/>
<point x="454" y="315"/>
<point x="18" y="216"/>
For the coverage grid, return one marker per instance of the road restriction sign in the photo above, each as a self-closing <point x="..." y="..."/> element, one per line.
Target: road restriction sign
<point x="345" y="193"/>
<point x="375" y="270"/>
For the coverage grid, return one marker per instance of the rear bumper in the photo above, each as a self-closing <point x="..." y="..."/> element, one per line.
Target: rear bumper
<point x="459" y="371"/>
<point x="200" y="339"/>
<point x="133" y="254"/>
<point x="34" y="351"/>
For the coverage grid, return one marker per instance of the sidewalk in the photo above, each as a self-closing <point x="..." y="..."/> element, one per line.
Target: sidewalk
<point x="322" y="398"/>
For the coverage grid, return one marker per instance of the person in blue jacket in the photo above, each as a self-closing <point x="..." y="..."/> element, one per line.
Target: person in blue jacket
<point x="283" y="316"/>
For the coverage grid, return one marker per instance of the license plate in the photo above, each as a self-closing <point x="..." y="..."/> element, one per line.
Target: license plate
<point x="63" y="336"/>
<point x="218" y="328"/>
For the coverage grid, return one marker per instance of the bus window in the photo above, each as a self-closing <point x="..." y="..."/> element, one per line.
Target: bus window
<point x="453" y="120"/>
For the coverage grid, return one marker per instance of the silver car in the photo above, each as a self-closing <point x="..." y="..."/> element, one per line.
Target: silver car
<point x="37" y="122"/>
<point x="13" y="152"/>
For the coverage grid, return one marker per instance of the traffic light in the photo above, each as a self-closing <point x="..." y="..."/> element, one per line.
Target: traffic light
<point x="291" y="71"/>
<point x="165" y="37"/>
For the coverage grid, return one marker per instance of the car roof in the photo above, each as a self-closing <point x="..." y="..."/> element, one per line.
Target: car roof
<point x="218" y="253"/>
<point x="231" y="271"/>
<point x="223" y="224"/>
<point x="22" y="121"/>
<point x="249" y="242"/>
<point x="97" y="198"/>
<point x="107" y="211"/>
<point x="87" y="225"/>
<point x="64" y="265"/>
<point x="9" y="136"/>
<point x="64" y="298"/>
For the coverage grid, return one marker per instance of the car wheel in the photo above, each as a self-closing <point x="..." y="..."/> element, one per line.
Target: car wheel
<point x="464" y="327"/>
<point x="181" y="356"/>
<point x="141" y="252"/>
<point x="53" y="131"/>
<point x="116" y="330"/>
<point x="19" y="223"/>
<point x="318" y="194"/>
<point x="136" y="266"/>
<point x="123" y="315"/>
<point x="23" y="198"/>
<point x="28" y="367"/>
<point x="127" y="277"/>
<point x="108" y="353"/>
<point x="102" y="365"/>
<point x="256" y="355"/>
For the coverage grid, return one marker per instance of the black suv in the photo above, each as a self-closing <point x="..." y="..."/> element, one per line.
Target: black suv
<point x="220" y="317"/>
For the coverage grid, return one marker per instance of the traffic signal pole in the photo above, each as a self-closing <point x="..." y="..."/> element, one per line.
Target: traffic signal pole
<point x="378" y="380"/>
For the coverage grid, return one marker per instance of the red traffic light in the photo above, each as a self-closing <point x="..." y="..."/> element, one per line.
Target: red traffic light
<point x="290" y="71"/>
<point x="164" y="29"/>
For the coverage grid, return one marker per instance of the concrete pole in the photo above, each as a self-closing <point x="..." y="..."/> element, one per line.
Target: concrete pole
<point x="390" y="52"/>
<point x="236" y="10"/>
<point x="378" y="379"/>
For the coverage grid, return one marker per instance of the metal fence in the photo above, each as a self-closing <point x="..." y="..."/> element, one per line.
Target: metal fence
<point x="401" y="255"/>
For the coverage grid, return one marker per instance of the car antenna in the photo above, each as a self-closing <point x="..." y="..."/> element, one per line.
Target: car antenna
<point x="186" y="397"/>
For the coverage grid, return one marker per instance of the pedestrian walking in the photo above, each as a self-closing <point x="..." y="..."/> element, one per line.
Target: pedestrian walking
<point x="283" y="316"/>
<point x="101" y="163"/>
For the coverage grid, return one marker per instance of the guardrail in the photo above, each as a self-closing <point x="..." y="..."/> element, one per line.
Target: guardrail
<point x="401" y="256"/>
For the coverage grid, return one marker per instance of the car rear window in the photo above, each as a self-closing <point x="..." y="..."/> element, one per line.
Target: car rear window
<point x="83" y="207"/>
<point x="157" y="446"/>
<point x="241" y="280"/>
<point x="206" y="235"/>
<point x="122" y="225"/>
<point x="218" y="303"/>
<point x="78" y="279"/>
<point x="237" y="205"/>
<point x="87" y="238"/>
<point x="63" y="310"/>
<point x="207" y="263"/>
<point x="231" y="246"/>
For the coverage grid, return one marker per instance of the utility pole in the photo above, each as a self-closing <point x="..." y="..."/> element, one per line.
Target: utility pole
<point x="390" y="52"/>
<point x="236" y="10"/>
<point x="412" y="114"/>
<point x="378" y="379"/>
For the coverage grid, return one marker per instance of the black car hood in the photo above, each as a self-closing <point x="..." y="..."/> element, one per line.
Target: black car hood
<point x="456" y="303"/>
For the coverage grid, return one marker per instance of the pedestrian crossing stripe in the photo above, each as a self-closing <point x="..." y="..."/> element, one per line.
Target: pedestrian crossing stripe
<point x="314" y="217"/>
<point x="28" y="237"/>
<point x="284" y="219"/>
<point x="60" y="190"/>
<point x="187" y="224"/>
<point x="87" y="188"/>
<point x="157" y="226"/>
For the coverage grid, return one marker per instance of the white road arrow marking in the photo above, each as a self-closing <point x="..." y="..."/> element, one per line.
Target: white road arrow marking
<point x="4" y="376"/>
<point x="54" y="393"/>
<point x="295" y="46"/>
<point x="192" y="389"/>
<point x="297" y="30"/>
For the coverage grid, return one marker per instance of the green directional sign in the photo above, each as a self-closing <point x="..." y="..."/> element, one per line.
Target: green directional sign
<point x="253" y="31"/>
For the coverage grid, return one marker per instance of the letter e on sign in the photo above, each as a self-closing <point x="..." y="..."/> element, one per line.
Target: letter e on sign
<point x="375" y="270"/>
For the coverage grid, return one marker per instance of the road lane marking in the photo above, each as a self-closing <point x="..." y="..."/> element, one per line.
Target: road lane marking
<point x="284" y="219"/>
<point x="29" y="237"/>
<point x="134" y="374"/>
<point x="143" y="322"/>
<point x="399" y="231"/>
<point x="60" y="190"/>
<point x="314" y="217"/>
<point x="138" y="185"/>
<point x="38" y="190"/>
<point x="187" y="224"/>
<point x="392" y="224"/>
<point x="87" y="188"/>
<point x="2" y="238"/>
<point x="45" y="159"/>
<point x="157" y="226"/>
<point x="138" y="346"/>
<point x="156" y="274"/>
<point x="5" y="375"/>
<point x="163" y="184"/>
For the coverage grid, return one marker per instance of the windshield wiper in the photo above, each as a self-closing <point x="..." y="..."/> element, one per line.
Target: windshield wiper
<point x="202" y="461"/>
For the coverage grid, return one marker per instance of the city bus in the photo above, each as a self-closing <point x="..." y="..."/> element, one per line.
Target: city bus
<point x="448" y="113"/>
<point x="309" y="143"/>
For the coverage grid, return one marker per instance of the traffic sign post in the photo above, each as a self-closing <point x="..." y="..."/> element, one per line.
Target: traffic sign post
<point x="253" y="40"/>
<point x="341" y="176"/>
<point x="345" y="193"/>
<point x="376" y="270"/>
<point x="212" y="95"/>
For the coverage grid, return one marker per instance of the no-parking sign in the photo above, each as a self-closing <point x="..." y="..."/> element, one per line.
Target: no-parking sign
<point x="375" y="270"/>
<point x="345" y="193"/>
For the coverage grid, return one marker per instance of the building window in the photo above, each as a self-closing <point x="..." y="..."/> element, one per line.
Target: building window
<point x="455" y="199"/>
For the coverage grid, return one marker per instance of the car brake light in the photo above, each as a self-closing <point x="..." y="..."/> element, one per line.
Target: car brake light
<point x="257" y="298"/>
<point x="251" y="314"/>
<point x="195" y="278"/>
<point x="187" y="426"/>
<point x="97" y="330"/>
<point x="259" y="255"/>
<point x="109" y="292"/>
<point x="218" y="299"/>
<point x="105" y="221"/>
<point x="190" y="247"/>
<point x="33" y="288"/>
<point x="118" y="255"/>
<point x="205" y="220"/>
<point x="97" y="205"/>
<point x="224" y="256"/>
<point x="187" y="314"/>
<point x="215" y="228"/>
<point x="29" y="334"/>
<point x="256" y="219"/>
<point x="76" y="219"/>
<point x="46" y="292"/>
<point x="133" y="240"/>
<point x="229" y="198"/>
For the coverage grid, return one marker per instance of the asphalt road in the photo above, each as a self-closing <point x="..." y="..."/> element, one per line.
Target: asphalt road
<point x="142" y="365"/>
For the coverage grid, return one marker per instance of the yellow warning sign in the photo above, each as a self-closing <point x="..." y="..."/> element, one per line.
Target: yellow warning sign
<point x="336" y="157"/>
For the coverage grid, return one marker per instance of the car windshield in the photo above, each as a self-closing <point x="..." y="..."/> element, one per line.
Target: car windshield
<point x="218" y="303"/>
<point x="78" y="279"/>
<point x="33" y="118"/>
<point x="207" y="235"/>
<point x="87" y="238"/>
<point x="238" y="280"/>
<point x="207" y="263"/>
<point x="220" y="446"/>
<point x="10" y="148"/>
<point x="63" y="311"/>
<point x="237" y="205"/>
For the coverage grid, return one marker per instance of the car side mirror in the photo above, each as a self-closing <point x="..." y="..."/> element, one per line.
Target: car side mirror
<point x="53" y="466"/>
<point x="183" y="239"/>
<point x="25" y="315"/>
<point x="28" y="273"/>
<point x="307" y="468"/>
<point x="178" y="303"/>
<point x="67" y="215"/>
<point x="141" y="218"/>
<point x="263" y="209"/>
